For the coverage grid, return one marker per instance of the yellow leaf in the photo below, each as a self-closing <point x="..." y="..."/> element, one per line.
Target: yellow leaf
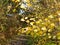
<point x="40" y="32"/>
<point x="14" y="10"/>
<point x="44" y="28"/>
<point x="50" y="30"/>
<point x="31" y="23"/>
<point x="59" y="19"/>
<point x="29" y="5"/>
<point x="51" y="16"/>
<point x="58" y="13"/>
<point x="26" y="1"/>
<point x="35" y="30"/>
<point x="9" y="7"/>
<point x="58" y="35"/>
<point x="22" y="19"/>
<point x="27" y="21"/>
<point x="52" y="24"/>
<point x="23" y="6"/>
<point x="26" y="17"/>
<point x="49" y="36"/>
<point x="17" y="0"/>
<point x="54" y="37"/>
<point x="37" y="22"/>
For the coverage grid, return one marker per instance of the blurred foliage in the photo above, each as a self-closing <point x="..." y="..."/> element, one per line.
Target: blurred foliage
<point x="40" y="19"/>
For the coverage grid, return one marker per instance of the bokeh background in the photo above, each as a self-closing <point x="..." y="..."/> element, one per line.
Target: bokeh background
<point x="29" y="22"/>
